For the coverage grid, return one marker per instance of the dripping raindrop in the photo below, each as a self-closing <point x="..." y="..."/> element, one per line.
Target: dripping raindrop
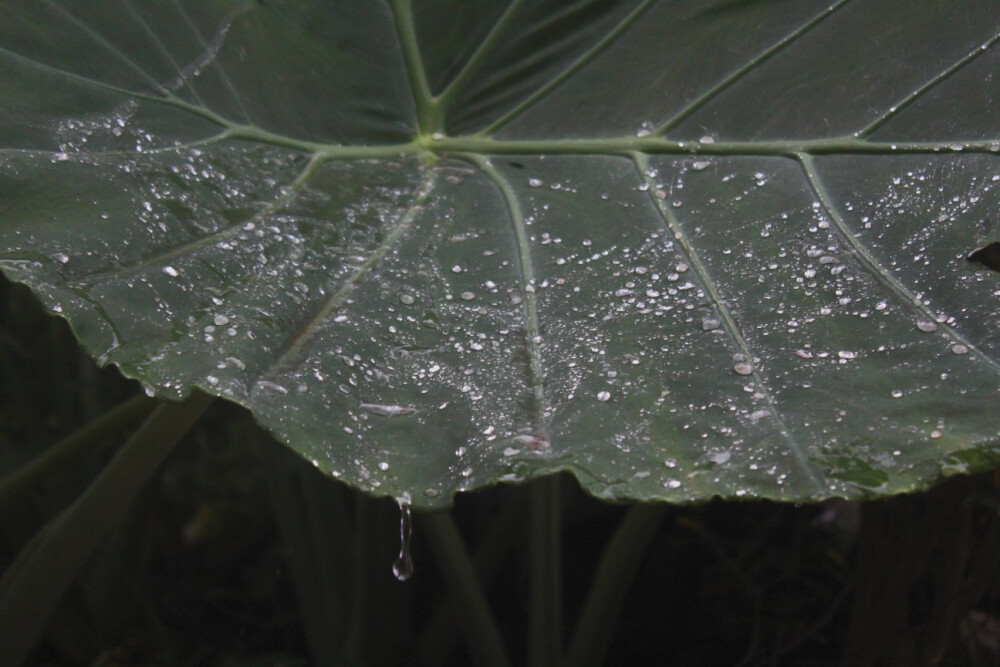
<point x="403" y="567"/>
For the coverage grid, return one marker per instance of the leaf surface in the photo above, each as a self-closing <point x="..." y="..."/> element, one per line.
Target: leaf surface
<point x="680" y="249"/>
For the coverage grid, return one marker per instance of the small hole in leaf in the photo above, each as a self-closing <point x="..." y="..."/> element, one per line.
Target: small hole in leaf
<point x="517" y="165"/>
<point x="988" y="256"/>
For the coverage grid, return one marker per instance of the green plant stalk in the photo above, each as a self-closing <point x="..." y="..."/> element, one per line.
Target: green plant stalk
<point x="36" y="581"/>
<point x="438" y="639"/>
<point x="88" y="437"/>
<point x="483" y="636"/>
<point x="545" y="643"/>
<point x="355" y="646"/>
<point x="612" y="582"/>
<point x="312" y="520"/>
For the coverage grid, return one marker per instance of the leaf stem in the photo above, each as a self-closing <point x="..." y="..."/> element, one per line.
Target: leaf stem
<point x="429" y="119"/>
<point x="546" y="591"/>
<point x="438" y="637"/>
<point x="33" y="585"/>
<point x="483" y="636"/>
<point x="612" y="582"/>
<point x="62" y="454"/>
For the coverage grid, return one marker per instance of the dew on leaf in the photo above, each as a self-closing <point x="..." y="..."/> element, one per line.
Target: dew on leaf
<point x="743" y="368"/>
<point x="386" y="410"/>
<point x="927" y="326"/>
<point x="407" y="299"/>
<point x="958" y="348"/>
<point x="171" y="271"/>
<point x="603" y="396"/>
<point x="534" y="442"/>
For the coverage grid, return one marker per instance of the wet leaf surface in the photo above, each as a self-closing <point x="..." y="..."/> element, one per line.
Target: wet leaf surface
<point x="678" y="249"/>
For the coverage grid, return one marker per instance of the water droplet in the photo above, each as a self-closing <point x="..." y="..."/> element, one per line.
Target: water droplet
<point x="897" y="393"/>
<point x="804" y="354"/>
<point x="536" y="443"/>
<point x="720" y="457"/>
<point x="535" y="182"/>
<point x="847" y="354"/>
<point x="710" y="324"/>
<point x="604" y="396"/>
<point x="456" y="269"/>
<point x="403" y="567"/>
<point x="220" y="320"/>
<point x="743" y="368"/>
<point x="468" y="296"/>
<point x="927" y="326"/>
<point x="707" y="139"/>
<point x="171" y="271"/>
<point x="406" y="299"/>
<point x="386" y="410"/>
<point x="958" y="348"/>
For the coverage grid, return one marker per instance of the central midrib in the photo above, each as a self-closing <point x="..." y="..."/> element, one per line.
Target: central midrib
<point x="445" y="146"/>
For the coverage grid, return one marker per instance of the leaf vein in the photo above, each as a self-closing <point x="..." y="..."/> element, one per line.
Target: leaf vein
<point x="527" y="276"/>
<point x="670" y="222"/>
<point x="287" y="194"/>
<point x="872" y="265"/>
<point x="928" y="85"/>
<point x="572" y="69"/>
<point x="750" y="65"/>
<point x="111" y="48"/>
<point x="294" y="346"/>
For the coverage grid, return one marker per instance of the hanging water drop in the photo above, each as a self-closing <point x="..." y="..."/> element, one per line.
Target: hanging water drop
<point x="403" y="567"/>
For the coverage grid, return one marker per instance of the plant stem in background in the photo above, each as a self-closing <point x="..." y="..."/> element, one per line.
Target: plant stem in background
<point x="482" y="635"/>
<point x="64" y="452"/>
<point x="545" y="645"/>
<point x="36" y="581"/>
<point x="612" y="582"/>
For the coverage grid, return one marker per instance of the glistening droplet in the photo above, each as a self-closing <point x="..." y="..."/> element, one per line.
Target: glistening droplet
<point x="403" y="567"/>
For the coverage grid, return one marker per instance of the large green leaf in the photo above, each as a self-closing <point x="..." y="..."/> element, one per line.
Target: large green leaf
<point x="681" y="249"/>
